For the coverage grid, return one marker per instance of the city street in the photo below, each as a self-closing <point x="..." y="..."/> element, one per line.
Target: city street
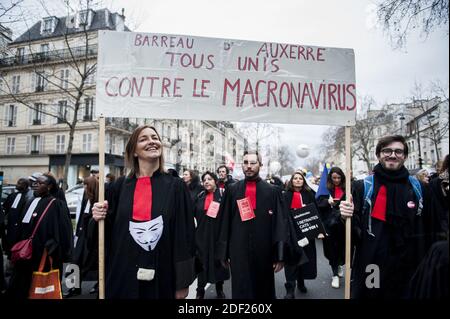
<point x="320" y="288"/>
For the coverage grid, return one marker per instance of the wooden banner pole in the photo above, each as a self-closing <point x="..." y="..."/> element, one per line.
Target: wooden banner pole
<point x="348" y="222"/>
<point x="101" y="198"/>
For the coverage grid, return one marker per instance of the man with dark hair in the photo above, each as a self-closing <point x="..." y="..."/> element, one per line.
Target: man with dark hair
<point x="392" y="225"/>
<point x="53" y="234"/>
<point x="225" y="179"/>
<point x="13" y="207"/>
<point x="253" y="232"/>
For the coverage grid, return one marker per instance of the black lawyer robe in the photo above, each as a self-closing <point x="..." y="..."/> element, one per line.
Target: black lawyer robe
<point x="206" y="235"/>
<point x="309" y="269"/>
<point x="334" y="242"/>
<point x="173" y="256"/>
<point x="84" y="256"/>
<point x="54" y="234"/>
<point x="254" y="245"/>
<point x="396" y="249"/>
<point x="13" y="221"/>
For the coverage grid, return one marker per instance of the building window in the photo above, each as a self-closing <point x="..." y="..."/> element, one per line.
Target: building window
<point x="88" y="109"/>
<point x="60" y="144"/>
<point x="12" y="115"/>
<point x="90" y="79"/>
<point x="83" y="18"/>
<point x="37" y="114"/>
<point x="10" y="145"/>
<point x="41" y="81"/>
<point x="87" y="142"/>
<point x="433" y="157"/>
<point x="35" y="142"/>
<point x="16" y="84"/>
<point x="48" y="25"/>
<point x="62" y="111"/>
<point x="65" y="78"/>
<point x="45" y="48"/>
<point x="20" y="55"/>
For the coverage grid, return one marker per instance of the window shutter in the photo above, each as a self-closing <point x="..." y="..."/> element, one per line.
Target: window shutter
<point x="5" y="121"/>
<point x="42" y="144"/>
<point x="15" y="116"/>
<point x="28" y="145"/>
<point x="33" y="82"/>
<point x="43" y="115"/>
<point x="30" y="116"/>
<point x="45" y="80"/>
<point x="55" y="111"/>
<point x="93" y="109"/>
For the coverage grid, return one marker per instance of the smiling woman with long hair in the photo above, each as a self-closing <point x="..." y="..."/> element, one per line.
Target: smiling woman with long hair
<point x="149" y="226"/>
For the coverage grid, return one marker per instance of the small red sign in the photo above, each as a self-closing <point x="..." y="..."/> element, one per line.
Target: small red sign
<point x="245" y="209"/>
<point x="213" y="209"/>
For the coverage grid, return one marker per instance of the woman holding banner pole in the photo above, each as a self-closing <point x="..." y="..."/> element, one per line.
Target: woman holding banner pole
<point x="149" y="226"/>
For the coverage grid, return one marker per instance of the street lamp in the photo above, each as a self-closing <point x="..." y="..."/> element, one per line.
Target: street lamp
<point x="418" y="143"/>
<point x="401" y="118"/>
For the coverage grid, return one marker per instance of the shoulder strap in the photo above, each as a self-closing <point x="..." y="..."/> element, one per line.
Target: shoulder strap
<point x="418" y="191"/>
<point x="416" y="186"/>
<point x="368" y="188"/>
<point x="40" y="218"/>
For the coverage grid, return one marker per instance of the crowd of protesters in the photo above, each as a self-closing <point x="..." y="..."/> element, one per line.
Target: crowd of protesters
<point x="162" y="232"/>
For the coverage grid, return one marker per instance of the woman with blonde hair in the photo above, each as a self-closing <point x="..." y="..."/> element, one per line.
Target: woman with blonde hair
<point x="423" y="176"/>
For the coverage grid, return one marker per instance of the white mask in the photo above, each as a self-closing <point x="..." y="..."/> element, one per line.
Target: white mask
<point x="147" y="234"/>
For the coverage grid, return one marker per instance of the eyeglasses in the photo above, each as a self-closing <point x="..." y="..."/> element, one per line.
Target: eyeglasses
<point x="389" y="151"/>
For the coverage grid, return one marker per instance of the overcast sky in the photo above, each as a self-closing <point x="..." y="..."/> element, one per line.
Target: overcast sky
<point x="382" y="72"/>
<point x="386" y="74"/>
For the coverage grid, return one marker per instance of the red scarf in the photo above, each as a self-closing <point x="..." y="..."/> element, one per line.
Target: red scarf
<point x="297" y="201"/>
<point x="250" y="192"/>
<point x="379" y="209"/>
<point x="338" y="192"/>
<point x="142" y="202"/>
<point x="208" y="199"/>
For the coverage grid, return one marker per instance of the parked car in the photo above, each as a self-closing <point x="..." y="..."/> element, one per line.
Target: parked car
<point x="74" y="196"/>
<point x="7" y="189"/>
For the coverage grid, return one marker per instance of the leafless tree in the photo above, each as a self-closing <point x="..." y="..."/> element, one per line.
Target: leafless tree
<point x="9" y="12"/>
<point x="74" y="83"/>
<point x="256" y="134"/>
<point x="434" y="105"/>
<point x="287" y="160"/>
<point x="400" y="17"/>
<point x="362" y="134"/>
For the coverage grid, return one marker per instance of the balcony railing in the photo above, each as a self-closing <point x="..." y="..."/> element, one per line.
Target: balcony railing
<point x="55" y="55"/>
<point x="122" y="123"/>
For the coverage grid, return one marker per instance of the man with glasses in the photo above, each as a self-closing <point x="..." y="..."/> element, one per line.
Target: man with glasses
<point x="253" y="232"/>
<point x="392" y="226"/>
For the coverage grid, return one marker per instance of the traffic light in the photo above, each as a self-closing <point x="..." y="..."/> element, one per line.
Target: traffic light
<point x="420" y="162"/>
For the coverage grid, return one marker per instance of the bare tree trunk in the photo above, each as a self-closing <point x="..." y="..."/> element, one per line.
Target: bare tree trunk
<point x="72" y="127"/>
